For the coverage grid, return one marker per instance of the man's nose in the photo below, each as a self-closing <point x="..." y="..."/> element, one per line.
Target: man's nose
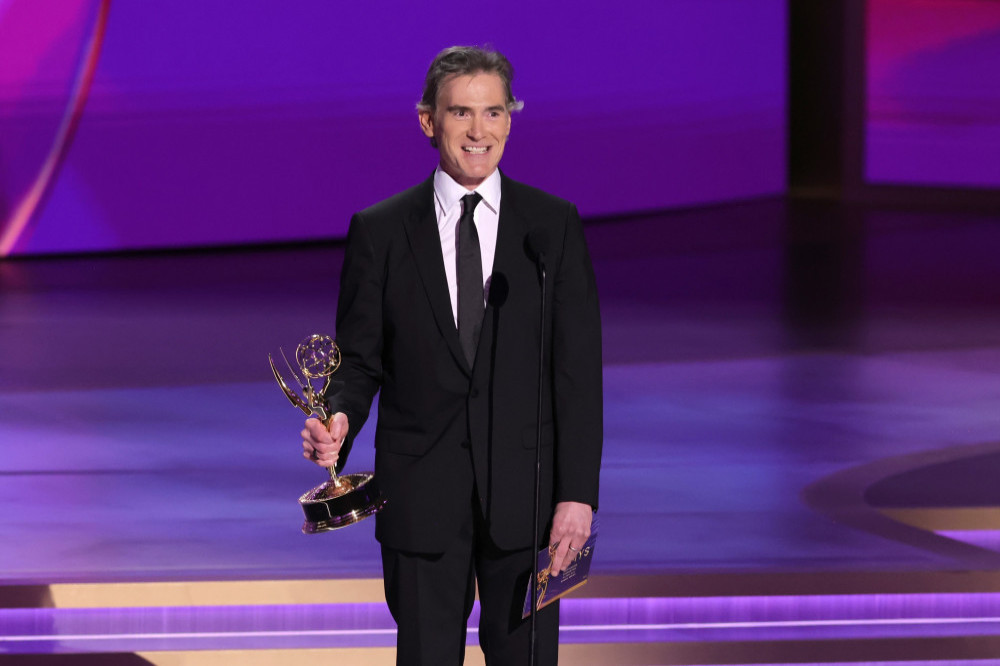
<point x="476" y="128"/>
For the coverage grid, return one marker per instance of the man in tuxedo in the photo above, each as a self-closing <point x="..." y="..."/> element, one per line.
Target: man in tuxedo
<point x="439" y="312"/>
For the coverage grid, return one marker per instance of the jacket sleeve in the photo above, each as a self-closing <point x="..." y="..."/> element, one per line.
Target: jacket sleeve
<point x="576" y="370"/>
<point x="359" y="331"/>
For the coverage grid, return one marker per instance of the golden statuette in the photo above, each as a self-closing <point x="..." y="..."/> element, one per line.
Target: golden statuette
<point x="341" y="500"/>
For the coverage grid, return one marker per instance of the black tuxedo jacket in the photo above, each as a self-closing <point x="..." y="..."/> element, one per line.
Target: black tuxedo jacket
<point x="446" y="430"/>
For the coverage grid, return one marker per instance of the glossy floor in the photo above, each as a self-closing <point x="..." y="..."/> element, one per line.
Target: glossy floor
<point x="758" y="382"/>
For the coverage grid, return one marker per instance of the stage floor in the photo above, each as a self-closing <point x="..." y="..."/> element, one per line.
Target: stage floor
<point x="802" y="443"/>
<point x="143" y="437"/>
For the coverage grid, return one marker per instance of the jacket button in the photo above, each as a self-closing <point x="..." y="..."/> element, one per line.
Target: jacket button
<point x="464" y="444"/>
<point x="474" y="393"/>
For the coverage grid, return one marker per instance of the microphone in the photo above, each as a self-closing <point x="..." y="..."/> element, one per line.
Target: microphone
<point x="498" y="290"/>
<point x="536" y="244"/>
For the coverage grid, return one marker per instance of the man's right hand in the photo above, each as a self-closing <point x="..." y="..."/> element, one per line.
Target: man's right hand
<point x="322" y="445"/>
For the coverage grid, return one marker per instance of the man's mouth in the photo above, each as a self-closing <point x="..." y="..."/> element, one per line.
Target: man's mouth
<point x="476" y="150"/>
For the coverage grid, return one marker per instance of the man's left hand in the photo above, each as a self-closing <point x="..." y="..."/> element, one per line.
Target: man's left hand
<point x="570" y="529"/>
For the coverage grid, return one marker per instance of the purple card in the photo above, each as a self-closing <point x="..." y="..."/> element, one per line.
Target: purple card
<point x="572" y="577"/>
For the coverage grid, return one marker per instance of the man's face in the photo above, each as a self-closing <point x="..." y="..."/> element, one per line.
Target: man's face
<point x="470" y="123"/>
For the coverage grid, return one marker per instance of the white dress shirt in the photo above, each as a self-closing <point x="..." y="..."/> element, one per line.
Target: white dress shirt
<point x="448" y="207"/>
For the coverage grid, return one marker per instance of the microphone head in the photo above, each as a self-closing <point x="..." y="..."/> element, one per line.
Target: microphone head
<point x="498" y="290"/>
<point x="537" y="244"/>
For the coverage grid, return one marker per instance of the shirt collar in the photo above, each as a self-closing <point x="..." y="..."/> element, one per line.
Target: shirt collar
<point x="449" y="193"/>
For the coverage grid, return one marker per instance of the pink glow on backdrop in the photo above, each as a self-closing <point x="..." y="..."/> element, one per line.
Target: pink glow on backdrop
<point x="933" y="94"/>
<point x="48" y="52"/>
<point x="38" y="39"/>
<point x="900" y="28"/>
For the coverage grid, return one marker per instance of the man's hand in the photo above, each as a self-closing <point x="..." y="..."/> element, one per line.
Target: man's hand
<point x="570" y="529"/>
<point x="322" y="445"/>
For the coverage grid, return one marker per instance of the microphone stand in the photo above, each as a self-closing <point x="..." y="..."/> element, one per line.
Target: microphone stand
<point x="538" y="461"/>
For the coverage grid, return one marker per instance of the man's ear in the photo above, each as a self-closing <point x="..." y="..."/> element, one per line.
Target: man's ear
<point x="426" y="123"/>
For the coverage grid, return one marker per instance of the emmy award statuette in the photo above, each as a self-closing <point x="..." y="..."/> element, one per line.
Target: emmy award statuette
<point x="342" y="500"/>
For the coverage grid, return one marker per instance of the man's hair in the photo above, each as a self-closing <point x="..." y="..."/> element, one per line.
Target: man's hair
<point x="461" y="60"/>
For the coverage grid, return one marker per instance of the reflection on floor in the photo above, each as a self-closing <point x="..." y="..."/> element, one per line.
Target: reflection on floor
<point x="801" y="450"/>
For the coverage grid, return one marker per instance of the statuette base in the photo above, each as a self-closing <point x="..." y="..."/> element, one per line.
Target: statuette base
<point x="330" y="506"/>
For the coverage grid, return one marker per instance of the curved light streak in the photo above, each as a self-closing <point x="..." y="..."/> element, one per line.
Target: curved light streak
<point x="23" y="212"/>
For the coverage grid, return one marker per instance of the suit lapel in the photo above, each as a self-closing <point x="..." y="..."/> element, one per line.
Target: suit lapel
<point x="511" y="233"/>
<point x="425" y="242"/>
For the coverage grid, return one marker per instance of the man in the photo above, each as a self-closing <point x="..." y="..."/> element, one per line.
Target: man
<point x="439" y="310"/>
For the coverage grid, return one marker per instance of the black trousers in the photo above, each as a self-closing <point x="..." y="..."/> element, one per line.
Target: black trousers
<point x="431" y="596"/>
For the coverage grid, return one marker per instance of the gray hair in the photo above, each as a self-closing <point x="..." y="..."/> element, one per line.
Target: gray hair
<point x="461" y="60"/>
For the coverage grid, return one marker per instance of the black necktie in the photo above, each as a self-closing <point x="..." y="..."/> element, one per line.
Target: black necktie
<point x="470" y="279"/>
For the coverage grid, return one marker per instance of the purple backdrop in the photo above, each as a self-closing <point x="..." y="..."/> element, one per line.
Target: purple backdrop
<point x="211" y="122"/>
<point x="934" y="92"/>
